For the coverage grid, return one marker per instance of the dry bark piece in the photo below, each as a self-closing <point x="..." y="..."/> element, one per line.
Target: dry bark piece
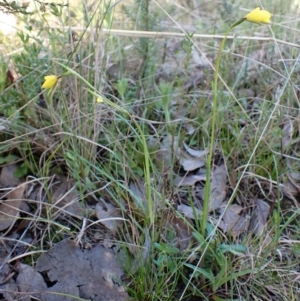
<point x="9" y="208"/>
<point x="89" y="274"/>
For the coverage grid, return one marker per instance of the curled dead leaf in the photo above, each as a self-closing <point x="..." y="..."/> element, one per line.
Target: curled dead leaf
<point x="191" y="159"/>
<point x="190" y="180"/>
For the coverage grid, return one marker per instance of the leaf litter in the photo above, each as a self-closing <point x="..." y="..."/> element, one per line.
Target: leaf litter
<point x="93" y="274"/>
<point x="54" y="273"/>
<point x="64" y="273"/>
<point x="234" y="219"/>
<point x="54" y="277"/>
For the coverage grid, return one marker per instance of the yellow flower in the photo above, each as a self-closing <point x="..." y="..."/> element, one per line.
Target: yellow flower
<point x="99" y="100"/>
<point x="50" y="81"/>
<point x="258" y="16"/>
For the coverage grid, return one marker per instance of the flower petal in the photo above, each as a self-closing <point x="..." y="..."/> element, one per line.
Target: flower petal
<point x="258" y="16"/>
<point x="50" y="81"/>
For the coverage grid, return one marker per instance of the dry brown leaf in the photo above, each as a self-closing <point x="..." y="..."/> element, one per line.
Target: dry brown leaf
<point x="176" y="61"/>
<point x="218" y="187"/>
<point x="65" y="197"/>
<point x="188" y="211"/>
<point x="195" y="152"/>
<point x="7" y="178"/>
<point x="9" y="208"/>
<point x="189" y="163"/>
<point x="287" y="133"/>
<point x="194" y="79"/>
<point x="291" y="183"/>
<point x="181" y="228"/>
<point x="9" y="291"/>
<point x="5" y="269"/>
<point x="129" y="67"/>
<point x="188" y="180"/>
<point x="259" y="217"/>
<point x="143" y="253"/>
<point x="138" y="192"/>
<point x="30" y="281"/>
<point x="109" y="216"/>
<point x="192" y="159"/>
<point x="92" y="274"/>
<point x="246" y="93"/>
<point x="164" y="156"/>
<point x="234" y="223"/>
<point x="8" y="287"/>
<point x="290" y="189"/>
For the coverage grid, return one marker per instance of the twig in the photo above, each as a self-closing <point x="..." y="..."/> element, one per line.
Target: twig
<point x="161" y="35"/>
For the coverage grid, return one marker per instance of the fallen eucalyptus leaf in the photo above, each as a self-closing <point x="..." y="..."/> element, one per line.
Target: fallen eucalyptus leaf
<point x="109" y="215"/>
<point x="9" y="208"/>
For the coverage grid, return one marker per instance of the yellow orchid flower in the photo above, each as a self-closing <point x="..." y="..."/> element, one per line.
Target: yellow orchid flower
<point x="50" y="81"/>
<point x="258" y="16"/>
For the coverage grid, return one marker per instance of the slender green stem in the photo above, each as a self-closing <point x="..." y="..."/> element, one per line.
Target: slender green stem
<point x="212" y="136"/>
<point x="142" y="136"/>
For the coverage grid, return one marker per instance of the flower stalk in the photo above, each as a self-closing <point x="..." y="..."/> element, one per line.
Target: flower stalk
<point x="255" y="16"/>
